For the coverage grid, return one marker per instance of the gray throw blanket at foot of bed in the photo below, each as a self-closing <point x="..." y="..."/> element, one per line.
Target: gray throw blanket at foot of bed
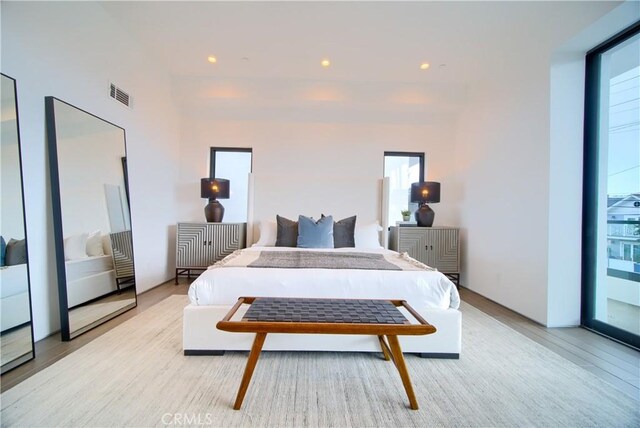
<point x="322" y="260"/>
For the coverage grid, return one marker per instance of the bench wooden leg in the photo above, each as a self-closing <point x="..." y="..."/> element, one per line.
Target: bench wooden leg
<point x="248" y="371"/>
<point x="398" y="359"/>
<point x="385" y="349"/>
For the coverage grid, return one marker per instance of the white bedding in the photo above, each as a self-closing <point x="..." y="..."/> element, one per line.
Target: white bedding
<point x="89" y="278"/>
<point x="14" y="296"/>
<point x="88" y="266"/>
<point x="90" y="287"/>
<point x="13" y="280"/>
<point x="221" y="285"/>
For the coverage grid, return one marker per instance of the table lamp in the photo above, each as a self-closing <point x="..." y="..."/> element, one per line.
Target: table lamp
<point x="214" y="189"/>
<point x="425" y="192"/>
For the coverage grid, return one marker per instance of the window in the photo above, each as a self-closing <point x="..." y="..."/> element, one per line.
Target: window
<point x="234" y="164"/>
<point x="611" y="190"/>
<point x="402" y="168"/>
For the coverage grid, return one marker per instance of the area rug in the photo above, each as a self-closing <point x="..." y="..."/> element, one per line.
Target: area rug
<point x="135" y="375"/>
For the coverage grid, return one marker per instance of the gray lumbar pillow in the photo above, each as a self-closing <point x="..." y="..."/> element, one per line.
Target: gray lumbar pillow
<point x="287" y="232"/>
<point x="312" y="234"/>
<point x="16" y="252"/>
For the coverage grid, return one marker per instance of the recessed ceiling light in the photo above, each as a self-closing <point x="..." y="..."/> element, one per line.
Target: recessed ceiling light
<point x="212" y="59"/>
<point x="424" y="66"/>
<point x="325" y="63"/>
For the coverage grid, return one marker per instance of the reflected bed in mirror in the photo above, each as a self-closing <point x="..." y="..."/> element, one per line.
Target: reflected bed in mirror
<point x="16" y="333"/>
<point x="92" y="225"/>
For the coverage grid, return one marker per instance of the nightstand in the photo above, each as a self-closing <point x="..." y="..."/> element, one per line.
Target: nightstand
<point x="199" y="245"/>
<point x="437" y="247"/>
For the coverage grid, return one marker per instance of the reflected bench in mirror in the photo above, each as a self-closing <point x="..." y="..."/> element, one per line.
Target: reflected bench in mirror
<point x="92" y="224"/>
<point x="16" y="332"/>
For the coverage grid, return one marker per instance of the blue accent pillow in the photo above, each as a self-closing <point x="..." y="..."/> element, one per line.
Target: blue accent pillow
<point x="312" y="234"/>
<point x="3" y="250"/>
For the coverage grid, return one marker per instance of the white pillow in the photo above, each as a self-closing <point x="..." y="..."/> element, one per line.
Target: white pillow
<point x="268" y="234"/>
<point x="94" y="244"/>
<point x="75" y="247"/>
<point x="368" y="235"/>
<point x="106" y="245"/>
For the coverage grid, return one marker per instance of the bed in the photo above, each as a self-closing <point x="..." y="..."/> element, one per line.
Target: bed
<point x="97" y="265"/>
<point x="89" y="278"/>
<point x="245" y="273"/>
<point x="14" y="296"/>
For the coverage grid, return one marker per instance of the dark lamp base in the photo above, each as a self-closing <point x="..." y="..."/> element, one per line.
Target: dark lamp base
<point x="424" y="216"/>
<point x="214" y="211"/>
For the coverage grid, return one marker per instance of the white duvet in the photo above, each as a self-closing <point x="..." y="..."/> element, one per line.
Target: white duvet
<point x="13" y="280"/>
<point x="82" y="268"/>
<point x="423" y="288"/>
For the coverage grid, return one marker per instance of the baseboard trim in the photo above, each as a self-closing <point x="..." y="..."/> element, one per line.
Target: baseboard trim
<point x="203" y="352"/>
<point x="440" y="356"/>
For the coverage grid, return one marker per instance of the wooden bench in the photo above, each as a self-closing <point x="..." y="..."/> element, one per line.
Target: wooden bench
<point x="326" y="316"/>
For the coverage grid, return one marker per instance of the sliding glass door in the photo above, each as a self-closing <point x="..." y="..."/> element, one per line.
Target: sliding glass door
<point x="611" y="221"/>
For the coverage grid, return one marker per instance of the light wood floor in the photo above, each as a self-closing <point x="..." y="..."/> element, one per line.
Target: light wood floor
<point x="82" y="317"/>
<point x="615" y="363"/>
<point x="51" y="349"/>
<point x="15" y="344"/>
<point x="611" y="361"/>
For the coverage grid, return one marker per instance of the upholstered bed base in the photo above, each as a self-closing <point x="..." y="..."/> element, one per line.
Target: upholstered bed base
<point x="201" y="337"/>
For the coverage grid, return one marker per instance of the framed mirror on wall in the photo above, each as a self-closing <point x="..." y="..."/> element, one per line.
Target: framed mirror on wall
<point x="91" y="218"/>
<point x="16" y="327"/>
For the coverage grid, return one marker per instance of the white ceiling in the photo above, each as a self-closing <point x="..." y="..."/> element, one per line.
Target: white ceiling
<point x="383" y="41"/>
<point x="373" y="42"/>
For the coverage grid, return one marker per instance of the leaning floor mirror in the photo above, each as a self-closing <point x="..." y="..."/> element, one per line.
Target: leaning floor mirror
<point x="16" y="328"/>
<point x="92" y="224"/>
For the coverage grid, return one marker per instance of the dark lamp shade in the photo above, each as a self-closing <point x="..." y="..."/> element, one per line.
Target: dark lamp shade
<point x="425" y="192"/>
<point x="214" y="188"/>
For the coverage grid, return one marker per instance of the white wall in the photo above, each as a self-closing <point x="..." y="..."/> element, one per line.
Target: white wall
<point x="71" y="50"/>
<point x="519" y="146"/>
<point x="11" y="218"/>
<point x="502" y="163"/>
<point x="565" y="190"/>
<point x="311" y="156"/>
<point x="86" y="163"/>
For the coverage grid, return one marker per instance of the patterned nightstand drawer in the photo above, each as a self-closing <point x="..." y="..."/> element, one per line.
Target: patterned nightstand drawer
<point x="199" y="245"/>
<point x="438" y="247"/>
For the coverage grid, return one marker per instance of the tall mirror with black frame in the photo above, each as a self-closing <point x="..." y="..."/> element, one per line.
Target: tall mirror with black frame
<point x="16" y="331"/>
<point x="92" y="225"/>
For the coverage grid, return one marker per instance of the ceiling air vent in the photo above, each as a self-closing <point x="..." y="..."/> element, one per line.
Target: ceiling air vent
<point x="119" y="95"/>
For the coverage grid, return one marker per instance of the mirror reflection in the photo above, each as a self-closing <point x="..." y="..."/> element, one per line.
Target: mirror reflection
<point x="16" y="338"/>
<point x="94" y="246"/>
